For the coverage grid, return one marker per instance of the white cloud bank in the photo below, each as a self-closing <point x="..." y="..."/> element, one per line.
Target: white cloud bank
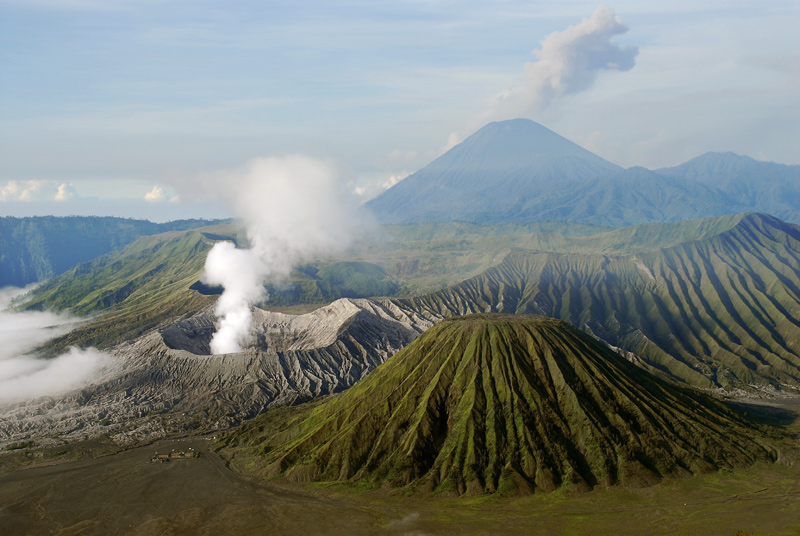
<point x="25" y="376"/>
<point x="568" y="62"/>
<point x="36" y="190"/>
<point x="294" y="208"/>
<point x="156" y="195"/>
<point x="371" y="188"/>
<point x="65" y="192"/>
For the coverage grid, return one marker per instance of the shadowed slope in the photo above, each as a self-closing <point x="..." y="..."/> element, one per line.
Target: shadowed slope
<point x="503" y="403"/>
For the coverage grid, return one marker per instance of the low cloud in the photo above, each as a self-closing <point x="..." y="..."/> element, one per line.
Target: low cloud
<point x="376" y="186"/>
<point x="156" y="195"/>
<point x="65" y="192"/>
<point x="393" y="179"/>
<point x="568" y="62"/>
<point x="30" y="190"/>
<point x="25" y="376"/>
<point x="33" y="190"/>
<point x="452" y="140"/>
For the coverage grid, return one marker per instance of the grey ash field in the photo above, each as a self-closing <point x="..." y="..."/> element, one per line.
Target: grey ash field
<point x="622" y="370"/>
<point x="124" y="493"/>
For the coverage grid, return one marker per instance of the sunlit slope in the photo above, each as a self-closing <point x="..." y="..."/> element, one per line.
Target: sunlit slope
<point x="503" y="403"/>
<point x="37" y="248"/>
<point x="134" y="289"/>
<point x="722" y="310"/>
<point x="431" y="256"/>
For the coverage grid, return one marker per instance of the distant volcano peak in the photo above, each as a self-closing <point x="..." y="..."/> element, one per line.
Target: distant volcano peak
<point x="489" y="176"/>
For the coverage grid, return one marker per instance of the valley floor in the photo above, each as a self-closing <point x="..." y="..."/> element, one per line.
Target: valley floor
<point x="124" y="493"/>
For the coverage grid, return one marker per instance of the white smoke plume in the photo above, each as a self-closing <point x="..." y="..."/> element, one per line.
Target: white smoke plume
<point x="568" y="62"/>
<point x="25" y="376"/>
<point x="294" y="208"/>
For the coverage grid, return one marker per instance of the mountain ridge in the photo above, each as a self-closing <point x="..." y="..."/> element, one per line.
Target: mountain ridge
<point x="519" y="171"/>
<point x="763" y="186"/>
<point x="40" y="247"/>
<point x="719" y="312"/>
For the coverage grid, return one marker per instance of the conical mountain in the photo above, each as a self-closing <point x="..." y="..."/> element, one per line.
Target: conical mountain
<point x="519" y="171"/>
<point x="509" y="404"/>
<point x="490" y="176"/>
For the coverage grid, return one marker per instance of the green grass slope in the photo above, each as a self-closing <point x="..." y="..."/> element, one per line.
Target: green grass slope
<point x="722" y="310"/>
<point x="499" y="403"/>
<point x="133" y="290"/>
<point x="38" y="248"/>
<point x="155" y="280"/>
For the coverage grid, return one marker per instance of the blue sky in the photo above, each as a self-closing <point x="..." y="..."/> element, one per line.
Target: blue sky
<point x="112" y="100"/>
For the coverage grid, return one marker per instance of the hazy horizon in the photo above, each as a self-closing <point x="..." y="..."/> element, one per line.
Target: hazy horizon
<point x="123" y="107"/>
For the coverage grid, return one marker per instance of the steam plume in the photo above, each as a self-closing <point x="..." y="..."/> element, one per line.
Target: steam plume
<point x="568" y="62"/>
<point x="294" y="209"/>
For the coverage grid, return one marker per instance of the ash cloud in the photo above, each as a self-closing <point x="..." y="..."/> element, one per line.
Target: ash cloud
<point x="568" y="62"/>
<point x="294" y="209"/>
<point x="25" y="376"/>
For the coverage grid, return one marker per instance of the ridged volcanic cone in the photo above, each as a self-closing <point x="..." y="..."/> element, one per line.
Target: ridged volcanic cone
<point x="514" y="404"/>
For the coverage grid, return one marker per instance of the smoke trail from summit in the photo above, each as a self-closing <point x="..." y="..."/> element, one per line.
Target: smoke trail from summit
<point x="294" y="209"/>
<point x="568" y="62"/>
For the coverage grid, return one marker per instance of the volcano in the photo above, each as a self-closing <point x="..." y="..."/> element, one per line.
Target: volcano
<point x="499" y="403"/>
<point x="491" y="176"/>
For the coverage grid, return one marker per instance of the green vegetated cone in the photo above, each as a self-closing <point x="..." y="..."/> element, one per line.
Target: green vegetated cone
<point x="508" y="404"/>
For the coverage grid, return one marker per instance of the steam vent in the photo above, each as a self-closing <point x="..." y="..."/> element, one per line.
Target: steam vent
<point x="508" y="404"/>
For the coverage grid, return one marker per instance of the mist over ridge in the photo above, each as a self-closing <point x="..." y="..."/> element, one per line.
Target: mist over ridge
<point x="23" y="374"/>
